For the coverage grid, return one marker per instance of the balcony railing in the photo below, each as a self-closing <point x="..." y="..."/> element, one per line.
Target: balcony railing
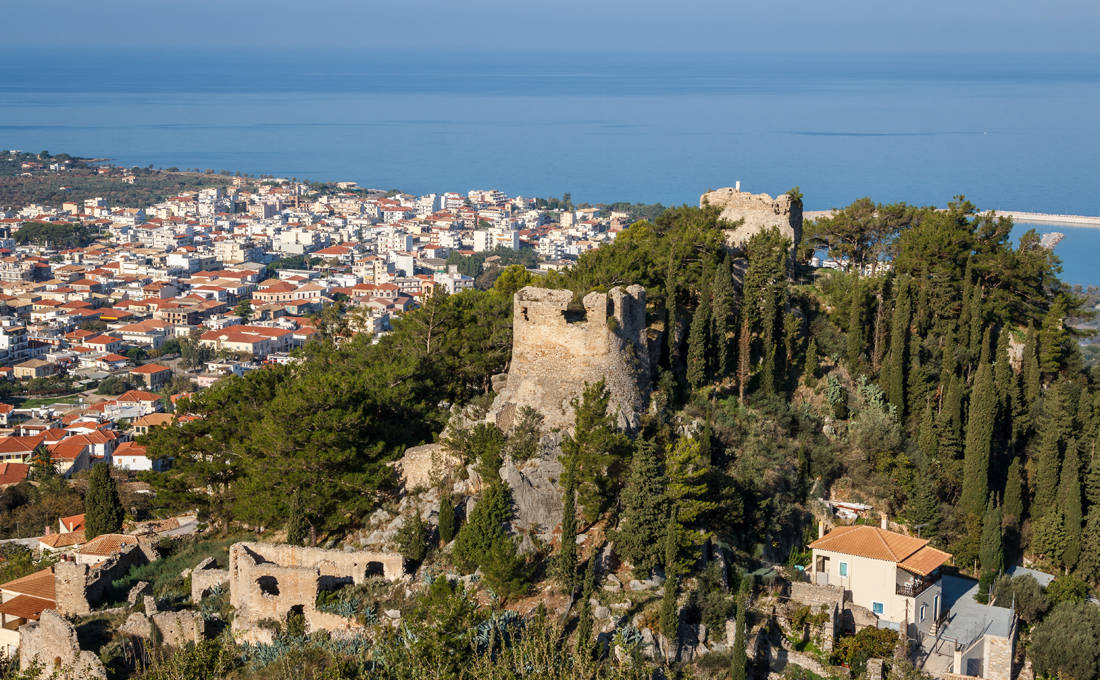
<point x="913" y="589"/>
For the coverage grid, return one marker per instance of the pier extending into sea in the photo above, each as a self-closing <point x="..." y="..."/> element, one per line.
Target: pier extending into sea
<point x="1016" y="215"/>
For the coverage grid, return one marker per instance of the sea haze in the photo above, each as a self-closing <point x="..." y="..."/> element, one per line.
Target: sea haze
<point x="1009" y="131"/>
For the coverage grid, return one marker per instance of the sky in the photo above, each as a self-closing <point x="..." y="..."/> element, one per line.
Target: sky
<point x="1028" y="26"/>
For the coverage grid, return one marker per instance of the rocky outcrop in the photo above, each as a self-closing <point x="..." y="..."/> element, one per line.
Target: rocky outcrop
<point x="557" y="348"/>
<point x="756" y="212"/>
<point x="423" y="466"/>
<point x="536" y="492"/>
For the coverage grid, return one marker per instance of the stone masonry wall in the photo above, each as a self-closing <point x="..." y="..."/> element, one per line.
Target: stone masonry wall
<point x="759" y="212"/>
<point x="556" y="350"/>
<point x="52" y="645"/>
<point x="78" y="587"/>
<point x="268" y="581"/>
<point x="204" y="580"/>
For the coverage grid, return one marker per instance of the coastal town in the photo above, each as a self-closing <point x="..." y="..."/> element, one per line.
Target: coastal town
<point x="165" y="299"/>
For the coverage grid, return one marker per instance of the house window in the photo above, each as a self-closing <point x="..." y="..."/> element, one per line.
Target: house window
<point x="843" y="568"/>
<point x="876" y="607"/>
<point x="923" y="609"/>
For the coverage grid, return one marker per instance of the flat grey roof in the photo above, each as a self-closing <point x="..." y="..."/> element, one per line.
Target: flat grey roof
<point x="967" y="620"/>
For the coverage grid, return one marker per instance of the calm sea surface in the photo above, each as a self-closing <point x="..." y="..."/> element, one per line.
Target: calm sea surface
<point x="1009" y="131"/>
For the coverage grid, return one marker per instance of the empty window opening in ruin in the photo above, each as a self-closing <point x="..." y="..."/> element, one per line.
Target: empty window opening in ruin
<point x="269" y="585"/>
<point x="375" y="569"/>
<point x="523" y="310"/>
<point x="575" y="313"/>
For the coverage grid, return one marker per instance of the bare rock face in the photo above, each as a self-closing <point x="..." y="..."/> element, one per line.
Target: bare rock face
<point x="422" y="466"/>
<point x="536" y="491"/>
<point x="556" y="349"/>
<point x="758" y="212"/>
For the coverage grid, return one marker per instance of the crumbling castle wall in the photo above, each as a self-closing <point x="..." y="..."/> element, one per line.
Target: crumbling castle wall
<point x="557" y="349"/>
<point x="758" y="212"/>
<point x="77" y="587"/>
<point x="268" y="581"/>
<point x="51" y="645"/>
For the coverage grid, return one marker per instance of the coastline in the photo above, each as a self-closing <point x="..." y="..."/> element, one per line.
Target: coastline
<point x="1023" y="217"/>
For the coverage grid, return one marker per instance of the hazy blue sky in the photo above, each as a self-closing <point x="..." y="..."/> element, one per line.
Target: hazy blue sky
<point x="842" y="25"/>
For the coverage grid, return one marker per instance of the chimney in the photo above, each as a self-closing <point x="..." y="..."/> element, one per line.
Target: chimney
<point x="884" y="523"/>
<point x="820" y="528"/>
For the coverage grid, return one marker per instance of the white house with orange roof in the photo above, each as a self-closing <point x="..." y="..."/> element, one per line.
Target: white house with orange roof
<point x="896" y="577"/>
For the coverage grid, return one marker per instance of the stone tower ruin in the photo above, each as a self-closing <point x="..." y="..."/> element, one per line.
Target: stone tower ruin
<point x="557" y="348"/>
<point x="757" y="213"/>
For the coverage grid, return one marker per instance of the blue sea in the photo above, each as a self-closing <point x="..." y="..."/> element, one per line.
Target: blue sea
<point x="1010" y="131"/>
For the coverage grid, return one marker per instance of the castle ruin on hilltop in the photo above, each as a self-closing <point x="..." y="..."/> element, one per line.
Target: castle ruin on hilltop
<point x="558" y="347"/>
<point x="756" y="212"/>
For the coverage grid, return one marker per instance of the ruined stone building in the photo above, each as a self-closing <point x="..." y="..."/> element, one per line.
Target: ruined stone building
<point x="267" y="582"/>
<point x="557" y="348"/>
<point x="757" y="213"/>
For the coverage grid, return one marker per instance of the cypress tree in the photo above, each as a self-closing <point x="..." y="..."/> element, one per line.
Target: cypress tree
<point x="670" y="613"/>
<point x="1013" y="508"/>
<point x="927" y="437"/>
<point x="584" y="618"/>
<point x="1070" y="501"/>
<point x="699" y="346"/>
<point x="1092" y="481"/>
<point x="446" y="519"/>
<point x="1029" y="370"/>
<point x="744" y="357"/>
<point x="856" y="339"/>
<point x="103" y="512"/>
<point x="992" y="548"/>
<point x="923" y="509"/>
<point x="1048" y="460"/>
<point x="979" y="440"/>
<point x="723" y="316"/>
<point x="567" y="555"/>
<point x="878" y="347"/>
<point x="898" y="359"/>
<point x="1003" y="376"/>
<point x="976" y="318"/>
<point x="1049" y="540"/>
<point x="921" y="315"/>
<point x="811" y="364"/>
<point x="950" y="421"/>
<point x="642" y="526"/>
<point x="297" y="525"/>
<point x="739" y="662"/>
<point x="1052" y="337"/>
<point x="1088" y="565"/>
<point x="949" y="362"/>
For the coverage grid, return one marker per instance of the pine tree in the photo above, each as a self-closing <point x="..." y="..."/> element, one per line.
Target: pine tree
<point x="567" y="555"/>
<point x="585" y="622"/>
<point x="979" y="440"/>
<point x="699" y="344"/>
<point x="103" y="512"/>
<point x="810" y="365"/>
<point x="686" y="472"/>
<point x="1069" y="498"/>
<point x="297" y="524"/>
<point x="642" y="525"/>
<point x="483" y="527"/>
<point x="670" y="612"/>
<point x="593" y="446"/>
<point x="1013" y="508"/>
<point x="739" y="661"/>
<point x="897" y="361"/>
<point x="856" y="338"/>
<point x="723" y="316"/>
<point x="446" y="519"/>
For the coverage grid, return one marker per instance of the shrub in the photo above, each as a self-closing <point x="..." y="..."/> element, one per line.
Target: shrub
<point x="1067" y="642"/>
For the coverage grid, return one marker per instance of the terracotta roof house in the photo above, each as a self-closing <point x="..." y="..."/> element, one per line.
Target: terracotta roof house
<point x="894" y="576"/>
